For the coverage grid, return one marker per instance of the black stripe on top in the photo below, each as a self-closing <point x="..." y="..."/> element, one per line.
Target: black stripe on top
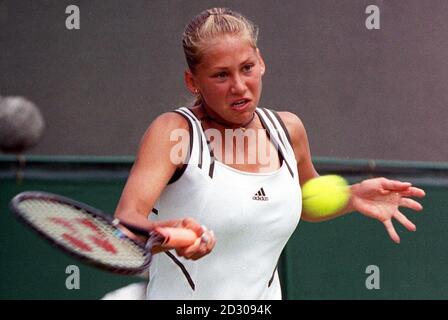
<point x="199" y="137"/>
<point x="179" y="172"/>
<point x="212" y="157"/>
<point x="275" y="126"/>
<point x="182" y="268"/>
<point x="212" y="161"/>
<point x="272" y="277"/>
<point x="282" y="124"/>
<point x="271" y="137"/>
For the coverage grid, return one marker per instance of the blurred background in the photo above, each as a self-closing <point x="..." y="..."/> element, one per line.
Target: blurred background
<point x="360" y="93"/>
<point x="373" y="102"/>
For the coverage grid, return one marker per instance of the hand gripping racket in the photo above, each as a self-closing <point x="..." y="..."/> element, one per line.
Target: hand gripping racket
<point x="90" y="235"/>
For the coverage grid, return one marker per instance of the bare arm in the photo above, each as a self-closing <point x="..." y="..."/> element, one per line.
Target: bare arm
<point x="300" y="144"/>
<point x="151" y="171"/>
<point x="378" y="198"/>
<point x="149" y="175"/>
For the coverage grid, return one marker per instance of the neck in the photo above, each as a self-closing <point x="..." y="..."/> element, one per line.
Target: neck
<point x="225" y="123"/>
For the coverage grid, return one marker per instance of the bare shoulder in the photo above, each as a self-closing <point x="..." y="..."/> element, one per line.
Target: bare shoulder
<point x="164" y="126"/>
<point x="294" y="125"/>
<point x="300" y="144"/>
<point x="163" y="134"/>
<point x="169" y="121"/>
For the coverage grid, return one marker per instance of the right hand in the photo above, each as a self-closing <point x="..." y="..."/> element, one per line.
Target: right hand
<point x="203" y="245"/>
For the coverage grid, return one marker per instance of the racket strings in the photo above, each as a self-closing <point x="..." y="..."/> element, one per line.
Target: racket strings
<point x="83" y="232"/>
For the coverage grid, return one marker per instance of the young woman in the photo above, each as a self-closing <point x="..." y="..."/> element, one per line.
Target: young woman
<point x="247" y="193"/>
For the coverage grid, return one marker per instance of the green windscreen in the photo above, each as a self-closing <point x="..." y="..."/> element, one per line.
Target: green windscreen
<point x="328" y="260"/>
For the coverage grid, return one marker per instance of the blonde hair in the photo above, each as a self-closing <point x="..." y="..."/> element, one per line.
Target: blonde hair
<point x="209" y="25"/>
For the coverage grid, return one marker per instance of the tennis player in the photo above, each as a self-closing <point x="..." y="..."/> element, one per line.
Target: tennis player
<point x="252" y="207"/>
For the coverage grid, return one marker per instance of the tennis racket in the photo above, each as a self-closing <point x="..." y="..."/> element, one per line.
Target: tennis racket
<point x="91" y="236"/>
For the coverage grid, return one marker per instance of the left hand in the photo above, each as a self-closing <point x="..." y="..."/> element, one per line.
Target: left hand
<point x="380" y="198"/>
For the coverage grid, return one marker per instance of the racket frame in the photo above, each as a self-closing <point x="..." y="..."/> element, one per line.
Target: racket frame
<point x="96" y="213"/>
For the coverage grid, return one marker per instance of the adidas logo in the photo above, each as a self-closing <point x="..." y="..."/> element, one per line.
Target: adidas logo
<point x="260" y="195"/>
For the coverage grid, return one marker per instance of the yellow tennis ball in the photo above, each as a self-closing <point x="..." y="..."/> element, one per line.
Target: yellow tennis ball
<point x="325" y="195"/>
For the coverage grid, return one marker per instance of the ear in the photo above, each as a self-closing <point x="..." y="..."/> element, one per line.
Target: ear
<point x="190" y="82"/>
<point x="262" y="65"/>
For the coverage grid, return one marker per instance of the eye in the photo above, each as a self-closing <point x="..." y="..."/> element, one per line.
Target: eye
<point x="248" y="67"/>
<point x="220" y="75"/>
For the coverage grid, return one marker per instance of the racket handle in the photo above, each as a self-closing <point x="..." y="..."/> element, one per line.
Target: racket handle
<point x="177" y="237"/>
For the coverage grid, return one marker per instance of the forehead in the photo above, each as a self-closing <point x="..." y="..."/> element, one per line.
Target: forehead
<point x="226" y="51"/>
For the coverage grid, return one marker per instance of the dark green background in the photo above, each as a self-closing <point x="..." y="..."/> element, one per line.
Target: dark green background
<point x="321" y="261"/>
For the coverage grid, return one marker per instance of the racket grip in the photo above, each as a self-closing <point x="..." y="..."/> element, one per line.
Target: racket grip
<point x="177" y="237"/>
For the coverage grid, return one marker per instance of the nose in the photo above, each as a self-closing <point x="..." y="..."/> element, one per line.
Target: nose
<point x="238" y="85"/>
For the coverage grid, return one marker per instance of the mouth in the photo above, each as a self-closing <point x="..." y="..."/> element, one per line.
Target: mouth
<point x="240" y="104"/>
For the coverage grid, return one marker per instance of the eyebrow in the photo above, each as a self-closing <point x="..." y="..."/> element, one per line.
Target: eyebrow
<point x="241" y="64"/>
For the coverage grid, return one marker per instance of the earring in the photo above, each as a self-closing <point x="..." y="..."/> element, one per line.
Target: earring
<point x="196" y="91"/>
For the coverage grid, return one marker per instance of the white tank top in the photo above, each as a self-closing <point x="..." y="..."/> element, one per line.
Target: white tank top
<point x="252" y="215"/>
